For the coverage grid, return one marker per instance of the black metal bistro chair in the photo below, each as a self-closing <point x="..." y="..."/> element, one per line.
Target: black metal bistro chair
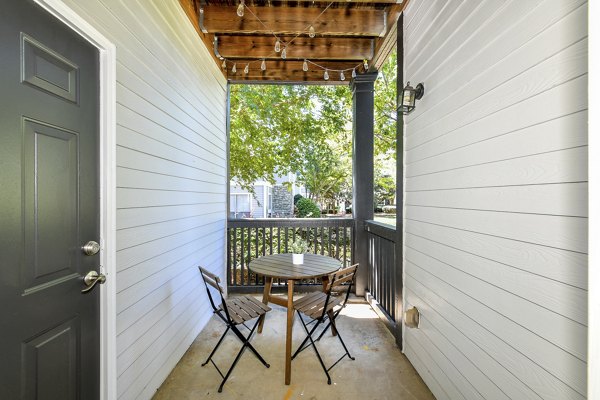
<point x="235" y="311"/>
<point x="321" y="307"/>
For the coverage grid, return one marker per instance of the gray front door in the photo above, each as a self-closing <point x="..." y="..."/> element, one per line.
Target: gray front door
<point x="49" y="207"/>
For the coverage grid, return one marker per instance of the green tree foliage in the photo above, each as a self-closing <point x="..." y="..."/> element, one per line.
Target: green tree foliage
<point x="385" y="109"/>
<point x="385" y="189"/>
<point x="279" y="129"/>
<point x="306" y="130"/>
<point x="307" y="209"/>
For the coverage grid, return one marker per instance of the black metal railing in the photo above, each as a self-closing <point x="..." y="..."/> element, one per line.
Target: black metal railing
<point x="248" y="239"/>
<point x="382" y="263"/>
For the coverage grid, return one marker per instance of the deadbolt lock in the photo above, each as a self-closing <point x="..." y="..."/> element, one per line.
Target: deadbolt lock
<point x="91" y="248"/>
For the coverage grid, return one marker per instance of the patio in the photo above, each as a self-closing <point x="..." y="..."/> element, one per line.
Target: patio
<point x="377" y="358"/>
<point x="493" y="233"/>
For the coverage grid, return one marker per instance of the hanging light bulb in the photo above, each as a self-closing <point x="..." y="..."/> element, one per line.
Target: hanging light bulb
<point x="240" y="9"/>
<point x="305" y="66"/>
<point x="326" y="75"/>
<point x="224" y="65"/>
<point x="354" y="73"/>
<point x="247" y="69"/>
<point x="342" y="76"/>
<point x="277" y="46"/>
<point x="284" y="53"/>
<point x="234" y="69"/>
<point x="311" y="31"/>
<point x="263" y="65"/>
<point x="366" y="64"/>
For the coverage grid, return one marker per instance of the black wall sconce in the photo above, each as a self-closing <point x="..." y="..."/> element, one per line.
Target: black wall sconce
<point x="408" y="97"/>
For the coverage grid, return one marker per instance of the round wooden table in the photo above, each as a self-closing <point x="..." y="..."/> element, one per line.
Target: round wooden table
<point x="280" y="266"/>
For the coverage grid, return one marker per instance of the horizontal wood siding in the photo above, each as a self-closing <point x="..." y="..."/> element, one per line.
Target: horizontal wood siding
<point x="171" y="183"/>
<point x="495" y="244"/>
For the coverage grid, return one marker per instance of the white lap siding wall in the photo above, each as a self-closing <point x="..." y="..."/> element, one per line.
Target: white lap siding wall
<point x="496" y="197"/>
<point x="171" y="183"/>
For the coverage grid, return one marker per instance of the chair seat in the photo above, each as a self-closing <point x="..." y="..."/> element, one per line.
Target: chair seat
<point x="313" y="303"/>
<point x="242" y="309"/>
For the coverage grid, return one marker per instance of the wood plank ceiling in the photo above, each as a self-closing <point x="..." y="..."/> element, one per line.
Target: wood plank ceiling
<point x="346" y="34"/>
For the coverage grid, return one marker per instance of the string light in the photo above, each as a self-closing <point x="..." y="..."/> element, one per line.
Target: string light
<point x="279" y="47"/>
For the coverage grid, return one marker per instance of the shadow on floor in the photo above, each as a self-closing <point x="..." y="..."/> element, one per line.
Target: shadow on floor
<point x="380" y="370"/>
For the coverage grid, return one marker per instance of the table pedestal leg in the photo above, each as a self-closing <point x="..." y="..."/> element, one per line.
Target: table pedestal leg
<point x="288" y="333"/>
<point x="266" y="295"/>
<point x="325" y="281"/>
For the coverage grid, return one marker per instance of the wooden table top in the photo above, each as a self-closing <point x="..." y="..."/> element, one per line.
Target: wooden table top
<point x="281" y="266"/>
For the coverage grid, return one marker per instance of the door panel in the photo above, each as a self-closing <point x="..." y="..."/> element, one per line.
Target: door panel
<point x="50" y="174"/>
<point x="47" y="70"/>
<point x="49" y="201"/>
<point x="49" y="363"/>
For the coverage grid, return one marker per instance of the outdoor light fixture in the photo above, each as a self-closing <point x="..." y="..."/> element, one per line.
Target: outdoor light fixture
<point x="408" y="97"/>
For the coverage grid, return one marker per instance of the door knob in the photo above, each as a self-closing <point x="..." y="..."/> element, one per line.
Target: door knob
<point x="91" y="279"/>
<point x="91" y="248"/>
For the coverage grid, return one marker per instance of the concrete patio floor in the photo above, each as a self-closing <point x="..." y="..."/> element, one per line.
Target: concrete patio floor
<point x="380" y="370"/>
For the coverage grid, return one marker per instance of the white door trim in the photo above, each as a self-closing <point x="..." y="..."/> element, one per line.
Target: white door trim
<point x="107" y="50"/>
<point x="594" y="208"/>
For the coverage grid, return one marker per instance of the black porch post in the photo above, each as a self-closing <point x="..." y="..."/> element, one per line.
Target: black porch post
<point x="362" y="171"/>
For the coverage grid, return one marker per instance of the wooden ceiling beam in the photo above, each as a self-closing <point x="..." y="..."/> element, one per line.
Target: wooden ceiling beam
<point x="293" y="20"/>
<point x="232" y="47"/>
<point x="291" y="71"/>
<point x="191" y="11"/>
<point x="385" y="45"/>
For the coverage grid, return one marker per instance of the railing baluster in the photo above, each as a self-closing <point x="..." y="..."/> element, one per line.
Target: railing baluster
<point x="229" y="263"/>
<point x="278" y="240"/>
<point x="249" y="239"/>
<point x="382" y="260"/>
<point x="337" y="241"/>
<point x="242" y="249"/>
<point x="345" y="245"/>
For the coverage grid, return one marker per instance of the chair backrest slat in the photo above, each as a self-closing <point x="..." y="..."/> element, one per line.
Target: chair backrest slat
<point x="211" y="279"/>
<point x="213" y="284"/>
<point x="342" y="276"/>
<point x="344" y="279"/>
<point x="345" y="275"/>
